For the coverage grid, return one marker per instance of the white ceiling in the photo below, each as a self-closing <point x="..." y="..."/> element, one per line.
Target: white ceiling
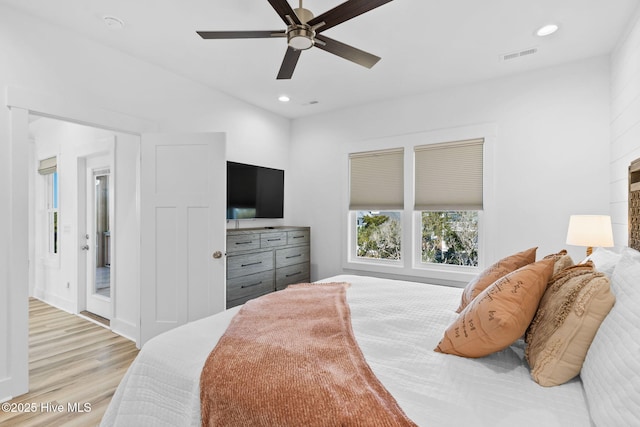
<point x="424" y="45"/>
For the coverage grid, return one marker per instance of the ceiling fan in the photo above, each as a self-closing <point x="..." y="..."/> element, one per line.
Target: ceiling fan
<point x="303" y="32"/>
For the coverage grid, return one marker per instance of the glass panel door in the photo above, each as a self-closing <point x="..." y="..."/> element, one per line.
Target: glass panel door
<point x="102" y="285"/>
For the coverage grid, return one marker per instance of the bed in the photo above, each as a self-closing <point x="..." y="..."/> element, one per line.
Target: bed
<point x="397" y="325"/>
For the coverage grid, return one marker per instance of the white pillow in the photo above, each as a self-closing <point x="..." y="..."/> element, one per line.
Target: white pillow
<point x="611" y="370"/>
<point x="605" y="259"/>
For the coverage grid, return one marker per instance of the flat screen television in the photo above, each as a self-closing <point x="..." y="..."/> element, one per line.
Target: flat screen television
<point x="254" y="191"/>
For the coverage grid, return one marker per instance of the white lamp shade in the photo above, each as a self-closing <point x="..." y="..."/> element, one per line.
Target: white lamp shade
<point x="590" y="230"/>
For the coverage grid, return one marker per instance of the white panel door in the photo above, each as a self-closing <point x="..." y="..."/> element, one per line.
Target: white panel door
<point x="183" y="232"/>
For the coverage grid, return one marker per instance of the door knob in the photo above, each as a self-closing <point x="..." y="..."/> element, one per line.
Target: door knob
<point x="217" y="254"/>
<point x="85" y="247"/>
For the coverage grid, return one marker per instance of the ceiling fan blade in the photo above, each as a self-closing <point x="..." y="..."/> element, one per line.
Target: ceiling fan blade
<point x="289" y="63"/>
<point x="345" y="11"/>
<point x="240" y="34"/>
<point x="345" y="51"/>
<point x="283" y="9"/>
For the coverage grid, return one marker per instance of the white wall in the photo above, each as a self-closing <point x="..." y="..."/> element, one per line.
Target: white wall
<point x="551" y="155"/>
<point x="44" y="59"/>
<point x="625" y="124"/>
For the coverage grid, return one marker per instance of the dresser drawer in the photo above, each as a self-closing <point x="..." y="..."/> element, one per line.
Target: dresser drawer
<point x="286" y="276"/>
<point x="242" y="242"/>
<point x="298" y="237"/>
<point x="243" y="265"/>
<point x="251" y="286"/>
<point x="290" y="256"/>
<point x="271" y="240"/>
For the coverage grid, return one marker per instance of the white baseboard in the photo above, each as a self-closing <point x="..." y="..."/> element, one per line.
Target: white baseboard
<point x="8" y="390"/>
<point x="55" y="300"/>
<point x="125" y="329"/>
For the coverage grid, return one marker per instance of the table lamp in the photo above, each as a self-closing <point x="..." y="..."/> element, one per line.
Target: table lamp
<point x="590" y="231"/>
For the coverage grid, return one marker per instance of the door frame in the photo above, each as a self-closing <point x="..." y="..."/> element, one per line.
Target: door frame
<point x="21" y="103"/>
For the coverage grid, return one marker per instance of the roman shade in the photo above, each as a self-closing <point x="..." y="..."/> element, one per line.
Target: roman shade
<point x="48" y="166"/>
<point x="448" y="176"/>
<point x="377" y="180"/>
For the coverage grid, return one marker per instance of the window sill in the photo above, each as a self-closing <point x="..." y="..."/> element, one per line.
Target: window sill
<point x="439" y="276"/>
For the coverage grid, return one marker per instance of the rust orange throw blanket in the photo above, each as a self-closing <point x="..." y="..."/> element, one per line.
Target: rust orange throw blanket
<point x="290" y="359"/>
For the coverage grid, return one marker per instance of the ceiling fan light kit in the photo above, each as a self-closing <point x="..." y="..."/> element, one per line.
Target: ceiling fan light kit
<point x="300" y="38"/>
<point x="303" y="32"/>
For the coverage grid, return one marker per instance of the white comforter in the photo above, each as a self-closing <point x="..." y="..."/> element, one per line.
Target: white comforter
<point x="397" y="325"/>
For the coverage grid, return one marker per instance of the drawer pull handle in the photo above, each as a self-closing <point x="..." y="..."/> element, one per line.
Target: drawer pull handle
<point x="243" y="243"/>
<point x="251" y="263"/>
<point x="251" y="285"/>
<point x="298" y="237"/>
<point x="273" y="240"/>
<point x="294" y="256"/>
<point x="294" y="274"/>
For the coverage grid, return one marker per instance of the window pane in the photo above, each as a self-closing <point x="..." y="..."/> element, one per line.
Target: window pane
<point x="379" y="234"/>
<point x="55" y="190"/>
<point x="54" y="234"/>
<point x="450" y="237"/>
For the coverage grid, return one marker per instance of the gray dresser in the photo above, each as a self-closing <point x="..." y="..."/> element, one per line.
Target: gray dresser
<point x="263" y="260"/>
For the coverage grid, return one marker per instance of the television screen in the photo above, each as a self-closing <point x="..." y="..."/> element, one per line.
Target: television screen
<point x="254" y="191"/>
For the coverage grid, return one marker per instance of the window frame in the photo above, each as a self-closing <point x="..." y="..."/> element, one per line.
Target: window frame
<point x="411" y="266"/>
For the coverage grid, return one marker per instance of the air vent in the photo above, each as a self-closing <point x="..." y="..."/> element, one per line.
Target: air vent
<point x="514" y="55"/>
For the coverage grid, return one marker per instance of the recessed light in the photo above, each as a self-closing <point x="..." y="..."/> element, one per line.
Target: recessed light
<point x="113" y="23"/>
<point x="547" y="30"/>
<point x="284" y="98"/>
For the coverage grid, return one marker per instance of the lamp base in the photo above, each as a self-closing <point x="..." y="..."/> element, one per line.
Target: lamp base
<point x="589" y="250"/>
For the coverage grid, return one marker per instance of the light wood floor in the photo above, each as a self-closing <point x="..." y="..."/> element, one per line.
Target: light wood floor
<point x="71" y="361"/>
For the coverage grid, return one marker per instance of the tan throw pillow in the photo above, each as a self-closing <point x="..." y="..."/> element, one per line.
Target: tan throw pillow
<point x="495" y="272"/>
<point x="500" y="314"/>
<point x="562" y="260"/>
<point x="570" y="313"/>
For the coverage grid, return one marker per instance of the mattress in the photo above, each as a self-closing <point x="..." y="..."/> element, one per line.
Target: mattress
<point x="397" y="324"/>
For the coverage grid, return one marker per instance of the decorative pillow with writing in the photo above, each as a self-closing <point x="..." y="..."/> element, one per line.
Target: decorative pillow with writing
<point x="500" y="314"/>
<point x="568" y="317"/>
<point x="496" y="271"/>
<point x="562" y="260"/>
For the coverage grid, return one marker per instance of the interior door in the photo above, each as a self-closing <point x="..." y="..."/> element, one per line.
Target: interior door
<point x="182" y="211"/>
<point x="99" y="221"/>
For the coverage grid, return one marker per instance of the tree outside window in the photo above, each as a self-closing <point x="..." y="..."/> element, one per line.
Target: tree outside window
<point x="450" y="237"/>
<point x="379" y="235"/>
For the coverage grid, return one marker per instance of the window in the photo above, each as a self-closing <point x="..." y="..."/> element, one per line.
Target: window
<point x="52" y="212"/>
<point x="448" y="196"/>
<point x="446" y="182"/>
<point x="376" y="200"/>
<point x="49" y="169"/>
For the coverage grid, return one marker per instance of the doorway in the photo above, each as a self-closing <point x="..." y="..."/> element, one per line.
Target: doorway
<point x="21" y="261"/>
<point x="79" y="275"/>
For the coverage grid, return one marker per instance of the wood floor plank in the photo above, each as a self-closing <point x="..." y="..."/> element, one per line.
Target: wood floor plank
<point x="72" y="362"/>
